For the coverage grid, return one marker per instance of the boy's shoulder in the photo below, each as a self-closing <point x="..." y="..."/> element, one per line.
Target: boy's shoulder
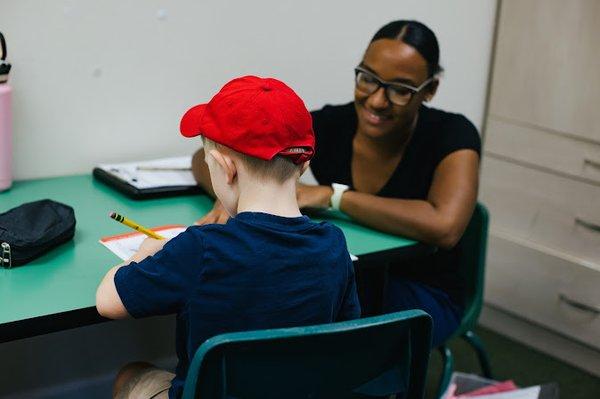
<point x="267" y="226"/>
<point x="259" y="219"/>
<point x="300" y="225"/>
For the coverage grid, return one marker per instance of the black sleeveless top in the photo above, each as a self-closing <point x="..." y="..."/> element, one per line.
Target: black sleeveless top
<point x="436" y="135"/>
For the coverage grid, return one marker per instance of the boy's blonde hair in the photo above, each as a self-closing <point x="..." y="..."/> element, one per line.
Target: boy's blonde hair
<point x="280" y="169"/>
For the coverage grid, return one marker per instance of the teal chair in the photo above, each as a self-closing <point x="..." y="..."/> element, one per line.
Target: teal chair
<point x="326" y="361"/>
<point x="472" y="270"/>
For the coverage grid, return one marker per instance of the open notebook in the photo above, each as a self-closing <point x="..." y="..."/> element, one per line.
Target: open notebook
<point x="150" y="179"/>
<point x="126" y="245"/>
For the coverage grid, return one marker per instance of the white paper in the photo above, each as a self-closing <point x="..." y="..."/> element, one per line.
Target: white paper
<point x="141" y="179"/>
<point x="126" y="245"/>
<point x="523" y="393"/>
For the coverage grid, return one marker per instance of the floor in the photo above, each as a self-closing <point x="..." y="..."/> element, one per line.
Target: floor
<point x="525" y="366"/>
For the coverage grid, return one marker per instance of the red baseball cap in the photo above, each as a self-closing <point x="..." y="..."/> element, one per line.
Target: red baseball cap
<point x="260" y="117"/>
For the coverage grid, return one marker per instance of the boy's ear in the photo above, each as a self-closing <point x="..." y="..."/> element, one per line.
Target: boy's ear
<point x="226" y="163"/>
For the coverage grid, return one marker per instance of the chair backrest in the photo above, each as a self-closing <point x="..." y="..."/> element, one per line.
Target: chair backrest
<point x="472" y="265"/>
<point x="324" y="361"/>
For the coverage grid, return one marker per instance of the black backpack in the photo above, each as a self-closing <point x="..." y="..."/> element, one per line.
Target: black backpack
<point x="32" y="229"/>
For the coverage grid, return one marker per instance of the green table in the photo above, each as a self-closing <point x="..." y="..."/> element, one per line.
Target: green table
<point x="57" y="291"/>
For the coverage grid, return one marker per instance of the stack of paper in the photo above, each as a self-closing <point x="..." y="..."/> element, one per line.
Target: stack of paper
<point x="467" y="386"/>
<point x="155" y="173"/>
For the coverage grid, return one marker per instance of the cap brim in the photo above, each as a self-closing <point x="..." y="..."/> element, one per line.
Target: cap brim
<point x="190" y="122"/>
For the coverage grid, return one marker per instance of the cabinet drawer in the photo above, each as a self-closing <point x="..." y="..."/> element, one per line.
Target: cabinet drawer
<point x="553" y="291"/>
<point x="551" y="151"/>
<point x="550" y="210"/>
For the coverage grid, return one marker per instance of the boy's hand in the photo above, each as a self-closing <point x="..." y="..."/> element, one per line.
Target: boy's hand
<point x="150" y="246"/>
<point x="318" y="197"/>
<point x="217" y="215"/>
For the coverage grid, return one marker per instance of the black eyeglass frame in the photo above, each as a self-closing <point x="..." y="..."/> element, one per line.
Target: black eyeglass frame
<point x="385" y="84"/>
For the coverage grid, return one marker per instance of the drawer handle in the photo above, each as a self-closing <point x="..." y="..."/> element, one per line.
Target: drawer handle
<point x="579" y="305"/>
<point x="592" y="163"/>
<point x="588" y="225"/>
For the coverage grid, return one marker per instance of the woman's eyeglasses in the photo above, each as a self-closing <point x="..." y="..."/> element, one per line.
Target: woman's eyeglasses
<point x="396" y="93"/>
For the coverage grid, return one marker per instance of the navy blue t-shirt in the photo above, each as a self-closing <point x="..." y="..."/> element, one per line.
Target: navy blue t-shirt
<point x="257" y="271"/>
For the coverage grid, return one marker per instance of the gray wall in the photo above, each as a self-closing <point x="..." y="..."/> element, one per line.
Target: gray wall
<point x="101" y="81"/>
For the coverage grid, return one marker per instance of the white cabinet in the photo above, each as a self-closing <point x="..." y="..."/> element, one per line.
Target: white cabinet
<point x="558" y="154"/>
<point x="540" y="172"/>
<point x="549" y="210"/>
<point x="542" y="286"/>
<point x="547" y="65"/>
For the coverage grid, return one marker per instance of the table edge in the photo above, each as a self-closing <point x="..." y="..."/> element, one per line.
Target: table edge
<point x="55" y="322"/>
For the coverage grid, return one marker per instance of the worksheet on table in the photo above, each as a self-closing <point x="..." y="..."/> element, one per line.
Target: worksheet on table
<point x="126" y="245"/>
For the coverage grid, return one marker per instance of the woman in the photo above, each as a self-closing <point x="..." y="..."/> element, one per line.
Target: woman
<point x="393" y="164"/>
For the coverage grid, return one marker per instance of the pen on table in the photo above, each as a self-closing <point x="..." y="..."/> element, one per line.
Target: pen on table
<point x="165" y="168"/>
<point x="134" y="225"/>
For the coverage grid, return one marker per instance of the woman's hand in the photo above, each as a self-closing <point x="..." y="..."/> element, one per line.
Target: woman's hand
<point x="217" y="215"/>
<point x="316" y="197"/>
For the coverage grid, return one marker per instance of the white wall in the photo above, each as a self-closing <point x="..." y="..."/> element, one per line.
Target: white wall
<point x="107" y="80"/>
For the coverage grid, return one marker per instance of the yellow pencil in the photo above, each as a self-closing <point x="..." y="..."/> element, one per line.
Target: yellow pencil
<point x="134" y="225"/>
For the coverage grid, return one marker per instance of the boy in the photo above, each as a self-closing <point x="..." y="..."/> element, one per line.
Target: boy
<point x="268" y="267"/>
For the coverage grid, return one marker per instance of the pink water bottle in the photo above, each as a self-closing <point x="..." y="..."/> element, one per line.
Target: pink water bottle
<point x="5" y="121"/>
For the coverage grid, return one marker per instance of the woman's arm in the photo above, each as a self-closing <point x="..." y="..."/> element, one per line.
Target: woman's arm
<point x="440" y="220"/>
<point x="200" y="172"/>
